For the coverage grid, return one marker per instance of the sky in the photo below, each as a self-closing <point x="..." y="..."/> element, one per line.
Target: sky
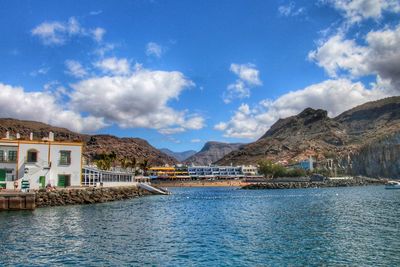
<point x="181" y="73"/>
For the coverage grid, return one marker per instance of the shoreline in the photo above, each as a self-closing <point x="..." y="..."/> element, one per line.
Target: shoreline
<point x="273" y="184"/>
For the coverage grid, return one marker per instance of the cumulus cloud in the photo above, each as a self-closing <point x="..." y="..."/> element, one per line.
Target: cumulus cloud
<point x="98" y="34"/>
<point x="114" y="65"/>
<point x="357" y="10"/>
<point x="380" y="55"/>
<point x="248" y="77"/>
<point x="154" y="49"/>
<point x="139" y="99"/>
<point x="75" y="69"/>
<point x="59" y="32"/>
<point x="44" y="107"/>
<point x="335" y="96"/>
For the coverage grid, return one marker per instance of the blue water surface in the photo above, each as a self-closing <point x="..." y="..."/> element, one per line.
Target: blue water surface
<point x="212" y="227"/>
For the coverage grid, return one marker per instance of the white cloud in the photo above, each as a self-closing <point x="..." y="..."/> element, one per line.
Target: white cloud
<point x="248" y="77"/>
<point x="42" y="106"/>
<point x="98" y="34"/>
<point x="168" y="131"/>
<point x="335" y="96"/>
<point x="380" y="55"/>
<point x="196" y="140"/>
<point x="139" y="99"/>
<point x="357" y="10"/>
<point x="154" y="49"/>
<point x="41" y="71"/>
<point x="58" y="32"/>
<point x="75" y="69"/>
<point x="114" y="65"/>
<point x="290" y="10"/>
<point x="247" y="73"/>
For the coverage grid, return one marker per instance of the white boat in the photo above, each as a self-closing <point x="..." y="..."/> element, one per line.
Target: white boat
<point x="392" y="185"/>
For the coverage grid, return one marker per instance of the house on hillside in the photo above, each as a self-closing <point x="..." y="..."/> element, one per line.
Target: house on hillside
<point x="40" y="162"/>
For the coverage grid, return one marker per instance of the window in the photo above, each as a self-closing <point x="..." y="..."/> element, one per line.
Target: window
<point x="32" y="155"/>
<point x="2" y="156"/>
<point x="65" y="157"/>
<point x="12" y="156"/>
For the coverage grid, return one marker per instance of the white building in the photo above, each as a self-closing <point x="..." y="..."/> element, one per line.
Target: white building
<point x="41" y="162"/>
<point x="92" y="176"/>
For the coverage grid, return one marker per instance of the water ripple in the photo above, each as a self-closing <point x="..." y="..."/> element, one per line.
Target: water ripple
<point x="212" y="227"/>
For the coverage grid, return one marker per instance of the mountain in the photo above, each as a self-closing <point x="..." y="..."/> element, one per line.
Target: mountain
<point x="179" y="156"/>
<point x="313" y="133"/>
<point x="211" y="152"/>
<point x="93" y="144"/>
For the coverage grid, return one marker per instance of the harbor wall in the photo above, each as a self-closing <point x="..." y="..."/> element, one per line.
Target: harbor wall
<point x="356" y="181"/>
<point x="90" y="195"/>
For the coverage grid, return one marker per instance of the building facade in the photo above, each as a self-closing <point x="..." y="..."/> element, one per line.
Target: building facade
<point x="41" y="162"/>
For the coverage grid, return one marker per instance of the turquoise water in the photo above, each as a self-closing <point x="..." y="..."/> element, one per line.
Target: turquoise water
<point x="213" y="227"/>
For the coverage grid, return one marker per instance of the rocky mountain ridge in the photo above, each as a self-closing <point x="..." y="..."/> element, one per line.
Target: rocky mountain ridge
<point x="211" y="152"/>
<point x="313" y="133"/>
<point x="179" y="156"/>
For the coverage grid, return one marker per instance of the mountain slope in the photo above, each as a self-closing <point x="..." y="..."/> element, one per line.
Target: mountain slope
<point x="211" y="152"/>
<point x="93" y="144"/>
<point x="179" y="156"/>
<point x="313" y="133"/>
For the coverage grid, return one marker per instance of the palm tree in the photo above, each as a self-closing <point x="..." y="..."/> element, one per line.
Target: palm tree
<point x="144" y="165"/>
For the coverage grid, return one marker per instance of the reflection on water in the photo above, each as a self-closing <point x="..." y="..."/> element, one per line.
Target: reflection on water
<point x="212" y="226"/>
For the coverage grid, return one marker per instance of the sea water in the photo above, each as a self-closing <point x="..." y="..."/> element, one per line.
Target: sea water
<point x="212" y="227"/>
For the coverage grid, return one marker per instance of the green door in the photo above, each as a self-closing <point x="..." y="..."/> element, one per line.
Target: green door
<point x="61" y="181"/>
<point x="2" y="178"/>
<point x="42" y="181"/>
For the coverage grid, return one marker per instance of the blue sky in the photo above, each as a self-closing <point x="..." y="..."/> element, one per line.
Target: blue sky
<point x="180" y="73"/>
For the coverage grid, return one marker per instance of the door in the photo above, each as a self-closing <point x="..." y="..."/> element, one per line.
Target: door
<point x="42" y="181"/>
<point x="2" y="178"/>
<point x="63" y="180"/>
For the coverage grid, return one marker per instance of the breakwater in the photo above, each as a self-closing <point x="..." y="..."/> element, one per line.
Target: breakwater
<point x="90" y="195"/>
<point x="355" y="181"/>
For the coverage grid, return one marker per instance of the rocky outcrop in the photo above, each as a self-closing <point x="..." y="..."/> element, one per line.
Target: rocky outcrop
<point x="380" y="158"/>
<point x="211" y="152"/>
<point x="93" y="144"/>
<point x="313" y="133"/>
<point x="356" y="181"/>
<point x="63" y="197"/>
<point x="179" y="156"/>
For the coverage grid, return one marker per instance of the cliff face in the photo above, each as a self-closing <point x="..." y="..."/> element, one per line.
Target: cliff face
<point x="93" y="144"/>
<point x="368" y="132"/>
<point x="380" y="158"/>
<point x="211" y="152"/>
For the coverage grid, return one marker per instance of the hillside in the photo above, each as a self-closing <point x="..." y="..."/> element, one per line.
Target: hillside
<point x="179" y="156"/>
<point x="93" y="144"/>
<point x="313" y="133"/>
<point x="211" y="152"/>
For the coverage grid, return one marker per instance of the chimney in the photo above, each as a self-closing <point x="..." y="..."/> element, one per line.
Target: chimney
<point x="51" y="136"/>
<point x="7" y="135"/>
<point x="31" y="136"/>
<point x="18" y="136"/>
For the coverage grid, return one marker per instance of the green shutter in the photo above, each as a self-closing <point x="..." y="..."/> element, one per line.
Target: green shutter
<point x="2" y="175"/>
<point x="42" y="181"/>
<point x="61" y="181"/>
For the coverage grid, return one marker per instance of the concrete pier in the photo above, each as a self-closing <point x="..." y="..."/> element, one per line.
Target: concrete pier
<point x="10" y="200"/>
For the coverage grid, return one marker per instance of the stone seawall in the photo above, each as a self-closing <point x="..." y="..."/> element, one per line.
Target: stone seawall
<point x="90" y="195"/>
<point x="327" y="183"/>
